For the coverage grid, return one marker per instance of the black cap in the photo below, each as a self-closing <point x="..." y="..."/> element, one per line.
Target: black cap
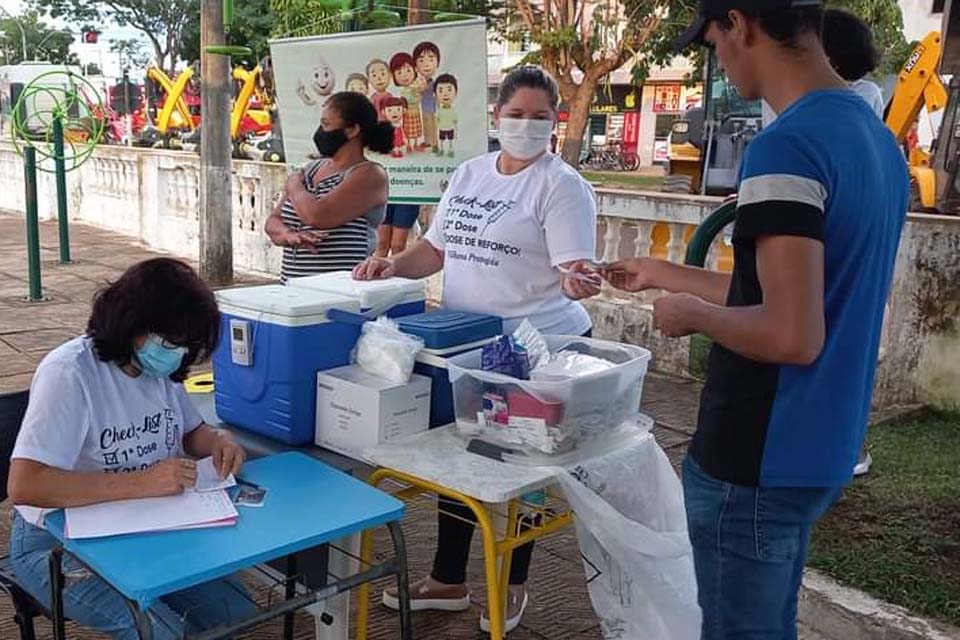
<point x="714" y="9"/>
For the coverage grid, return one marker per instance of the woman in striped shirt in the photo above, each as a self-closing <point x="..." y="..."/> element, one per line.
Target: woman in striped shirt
<point x="328" y="216"/>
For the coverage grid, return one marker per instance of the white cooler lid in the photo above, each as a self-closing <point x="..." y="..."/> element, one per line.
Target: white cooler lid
<point x="370" y="293"/>
<point x="283" y="305"/>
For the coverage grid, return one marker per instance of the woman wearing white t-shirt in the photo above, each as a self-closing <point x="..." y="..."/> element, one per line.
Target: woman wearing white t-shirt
<point x="509" y="226"/>
<point x="109" y="420"/>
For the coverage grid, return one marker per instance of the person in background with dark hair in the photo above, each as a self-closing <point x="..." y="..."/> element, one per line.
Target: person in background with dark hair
<point x="328" y="215"/>
<point x="532" y="225"/>
<point x="821" y="203"/>
<point x="109" y="420"/>
<point x="848" y="43"/>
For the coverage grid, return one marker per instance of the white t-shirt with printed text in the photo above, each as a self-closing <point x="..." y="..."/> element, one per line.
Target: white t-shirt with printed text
<point x="87" y="415"/>
<point x="503" y="237"/>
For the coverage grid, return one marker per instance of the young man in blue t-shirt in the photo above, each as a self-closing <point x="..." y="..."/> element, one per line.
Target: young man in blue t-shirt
<point x="821" y="203"/>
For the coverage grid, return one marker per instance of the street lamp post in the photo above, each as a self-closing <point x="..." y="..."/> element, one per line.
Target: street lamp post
<point x="23" y="35"/>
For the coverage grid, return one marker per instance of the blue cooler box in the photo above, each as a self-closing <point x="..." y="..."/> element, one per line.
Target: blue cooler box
<point x="395" y="297"/>
<point x="446" y="334"/>
<point x="274" y="339"/>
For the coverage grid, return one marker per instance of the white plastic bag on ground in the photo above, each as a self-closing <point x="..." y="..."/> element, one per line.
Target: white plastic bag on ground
<point x="632" y="530"/>
<point x="386" y="352"/>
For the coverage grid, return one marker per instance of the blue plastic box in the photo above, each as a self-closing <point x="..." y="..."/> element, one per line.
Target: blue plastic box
<point x="446" y="334"/>
<point x="272" y="389"/>
<point x="394" y="297"/>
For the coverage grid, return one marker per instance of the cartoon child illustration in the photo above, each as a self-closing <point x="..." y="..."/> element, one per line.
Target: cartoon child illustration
<point x="378" y="72"/>
<point x="357" y="83"/>
<point x="426" y="55"/>
<point x="320" y="85"/>
<point x="403" y="68"/>
<point x="446" y="88"/>
<point x="393" y="110"/>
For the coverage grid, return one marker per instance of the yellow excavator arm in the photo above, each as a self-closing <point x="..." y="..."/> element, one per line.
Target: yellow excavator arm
<point x="918" y="86"/>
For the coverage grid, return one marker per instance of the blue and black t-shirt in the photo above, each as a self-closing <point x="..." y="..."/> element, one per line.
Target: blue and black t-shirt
<point x="826" y="169"/>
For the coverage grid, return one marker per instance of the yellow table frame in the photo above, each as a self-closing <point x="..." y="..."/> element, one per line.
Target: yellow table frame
<point x="497" y="553"/>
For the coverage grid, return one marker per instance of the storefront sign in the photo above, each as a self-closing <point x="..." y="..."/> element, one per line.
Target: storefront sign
<point x="666" y="97"/>
<point x="631" y="130"/>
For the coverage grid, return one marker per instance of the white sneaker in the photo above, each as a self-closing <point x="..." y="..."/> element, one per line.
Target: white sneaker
<point x="516" y="606"/>
<point x="863" y="464"/>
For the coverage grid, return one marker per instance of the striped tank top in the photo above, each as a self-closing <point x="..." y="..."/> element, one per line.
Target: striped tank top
<point x="344" y="248"/>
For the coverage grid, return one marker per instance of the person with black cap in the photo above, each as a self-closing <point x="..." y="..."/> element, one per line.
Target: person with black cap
<point x="821" y="203"/>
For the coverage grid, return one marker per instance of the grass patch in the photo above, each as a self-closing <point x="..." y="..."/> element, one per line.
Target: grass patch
<point x="896" y="532"/>
<point x="621" y="180"/>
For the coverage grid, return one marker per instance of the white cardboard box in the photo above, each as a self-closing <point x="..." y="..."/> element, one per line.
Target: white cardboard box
<point x="356" y="410"/>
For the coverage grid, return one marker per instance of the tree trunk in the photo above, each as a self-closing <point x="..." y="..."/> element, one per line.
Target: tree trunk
<point x="216" y="202"/>
<point x="579" y="118"/>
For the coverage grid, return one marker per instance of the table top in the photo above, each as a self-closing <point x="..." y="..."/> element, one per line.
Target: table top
<point x="440" y="456"/>
<point x="308" y="503"/>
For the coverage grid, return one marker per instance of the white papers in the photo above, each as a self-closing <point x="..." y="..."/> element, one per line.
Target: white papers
<point x="191" y="509"/>
<point x="209" y="480"/>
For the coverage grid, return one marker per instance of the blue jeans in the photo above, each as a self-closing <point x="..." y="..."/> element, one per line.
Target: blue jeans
<point x="94" y="604"/>
<point x="749" y="550"/>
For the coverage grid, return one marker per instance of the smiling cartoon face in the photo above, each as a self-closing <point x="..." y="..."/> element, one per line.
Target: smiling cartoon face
<point x="323" y="79"/>
<point x="427" y="64"/>
<point x="446" y="93"/>
<point x="394" y="113"/>
<point x="379" y="74"/>
<point x="405" y="76"/>
<point x="357" y="84"/>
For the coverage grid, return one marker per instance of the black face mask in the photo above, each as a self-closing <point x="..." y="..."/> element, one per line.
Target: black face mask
<point x="329" y="142"/>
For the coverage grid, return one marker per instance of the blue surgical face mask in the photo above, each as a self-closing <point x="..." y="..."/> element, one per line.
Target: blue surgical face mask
<point x="159" y="359"/>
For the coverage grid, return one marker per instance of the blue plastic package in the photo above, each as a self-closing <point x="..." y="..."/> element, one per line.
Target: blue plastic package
<point x="506" y="357"/>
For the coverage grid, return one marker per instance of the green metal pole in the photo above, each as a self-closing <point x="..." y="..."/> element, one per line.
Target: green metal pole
<point x="62" y="221"/>
<point x="33" y="223"/>
<point x="710" y="228"/>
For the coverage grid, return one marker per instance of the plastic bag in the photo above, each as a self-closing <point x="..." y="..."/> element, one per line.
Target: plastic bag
<point x="533" y="341"/>
<point x="506" y="357"/>
<point x="570" y="364"/>
<point x="386" y="352"/>
<point x="632" y="531"/>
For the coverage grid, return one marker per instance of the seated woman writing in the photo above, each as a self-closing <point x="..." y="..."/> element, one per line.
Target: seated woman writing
<point x="109" y="419"/>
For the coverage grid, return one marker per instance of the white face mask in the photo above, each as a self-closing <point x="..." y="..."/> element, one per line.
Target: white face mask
<point x="525" y="139"/>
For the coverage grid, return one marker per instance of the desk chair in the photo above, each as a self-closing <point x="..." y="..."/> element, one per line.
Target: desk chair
<point x="12" y="408"/>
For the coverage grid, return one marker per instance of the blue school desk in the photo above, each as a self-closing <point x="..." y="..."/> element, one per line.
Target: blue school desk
<point x="308" y="504"/>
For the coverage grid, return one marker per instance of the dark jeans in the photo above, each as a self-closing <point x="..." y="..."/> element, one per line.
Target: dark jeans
<point x="454" y="535"/>
<point x="749" y="550"/>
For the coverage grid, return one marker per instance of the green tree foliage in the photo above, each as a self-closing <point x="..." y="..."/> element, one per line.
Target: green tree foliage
<point x="43" y="41"/>
<point x="131" y="52"/>
<point x="253" y="25"/>
<point x="163" y="22"/>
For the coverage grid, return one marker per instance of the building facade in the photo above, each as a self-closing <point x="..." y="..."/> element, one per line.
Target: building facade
<point x="622" y="113"/>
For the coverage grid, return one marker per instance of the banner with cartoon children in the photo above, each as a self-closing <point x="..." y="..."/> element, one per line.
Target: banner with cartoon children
<point x="429" y="81"/>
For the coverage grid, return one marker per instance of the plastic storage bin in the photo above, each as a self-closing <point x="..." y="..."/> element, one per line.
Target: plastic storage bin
<point x="445" y="334"/>
<point x="274" y="341"/>
<point x="394" y="298"/>
<point x="548" y="416"/>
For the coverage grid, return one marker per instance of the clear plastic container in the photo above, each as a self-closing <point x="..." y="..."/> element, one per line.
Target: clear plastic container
<point x="549" y="417"/>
